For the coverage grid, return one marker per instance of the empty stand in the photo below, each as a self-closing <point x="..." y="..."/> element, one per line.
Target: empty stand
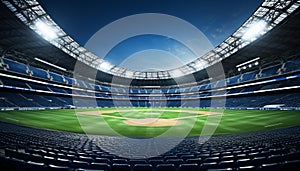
<point x="36" y="149"/>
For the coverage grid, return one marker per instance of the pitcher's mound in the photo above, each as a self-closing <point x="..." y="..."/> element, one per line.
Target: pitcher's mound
<point x="152" y="122"/>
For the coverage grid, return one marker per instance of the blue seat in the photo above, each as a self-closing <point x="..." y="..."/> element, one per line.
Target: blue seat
<point x="120" y="161"/>
<point x="108" y="156"/>
<point x="34" y="166"/>
<point x="100" y="166"/>
<point x="165" y="167"/>
<point x="194" y="160"/>
<point x="52" y="167"/>
<point x="15" y="164"/>
<point x="211" y="159"/>
<point x="80" y="169"/>
<point x="186" y="157"/>
<point x="85" y="158"/>
<point x="221" y="169"/>
<point x="257" y="161"/>
<point x="102" y="160"/>
<point x="170" y="157"/>
<point x="176" y="162"/>
<point x="15" y="66"/>
<point x="291" y="165"/>
<point x="38" y="72"/>
<point x="274" y="158"/>
<point x="120" y="167"/>
<point x="188" y="167"/>
<point x="243" y="162"/>
<point x="138" y="161"/>
<point x="292" y="156"/>
<point x="226" y="163"/>
<point x="61" y="162"/>
<point x="271" y="166"/>
<point x="247" y="168"/>
<point x="36" y="158"/>
<point x="79" y="164"/>
<point x="155" y="162"/>
<point x="142" y="167"/>
<point x="211" y="165"/>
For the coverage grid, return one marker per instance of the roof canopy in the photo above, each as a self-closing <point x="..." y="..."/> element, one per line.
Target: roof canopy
<point x="269" y="14"/>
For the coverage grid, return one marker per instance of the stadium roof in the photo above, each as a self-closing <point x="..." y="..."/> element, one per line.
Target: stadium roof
<point x="18" y="36"/>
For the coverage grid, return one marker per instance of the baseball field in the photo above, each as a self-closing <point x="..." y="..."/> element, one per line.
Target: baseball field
<point x="146" y="122"/>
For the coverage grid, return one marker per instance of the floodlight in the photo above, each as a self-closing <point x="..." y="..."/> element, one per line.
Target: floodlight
<point x="200" y="64"/>
<point x="255" y="30"/>
<point x="176" y="73"/>
<point x="129" y="73"/>
<point x="239" y="69"/>
<point x="45" y="30"/>
<point x="249" y="62"/>
<point x="105" y="65"/>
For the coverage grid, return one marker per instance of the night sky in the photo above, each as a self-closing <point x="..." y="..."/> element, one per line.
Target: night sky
<point x="217" y="19"/>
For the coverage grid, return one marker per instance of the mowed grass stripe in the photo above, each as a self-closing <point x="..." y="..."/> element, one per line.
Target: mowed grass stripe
<point x="231" y="122"/>
<point x="252" y="121"/>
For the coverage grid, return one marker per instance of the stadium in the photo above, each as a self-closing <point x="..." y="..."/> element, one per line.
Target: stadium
<point x="234" y="107"/>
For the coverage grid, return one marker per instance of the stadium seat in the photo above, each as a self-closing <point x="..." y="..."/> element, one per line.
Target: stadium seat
<point x="271" y="166"/>
<point x="194" y="160"/>
<point x="121" y="167"/>
<point x="176" y="162"/>
<point x="142" y="167"/>
<point x="99" y="166"/>
<point x="34" y="166"/>
<point x="61" y="162"/>
<point x="155" y="162"/>
<point x="243" y="162"/>
<point x="120" y="161"/>
<point x="188" y="167"/>
<point x="211" y="165"/>
<point x="246" y="168"/>
<point x="57" y="168"/>
<point x="137" y="161"/>
<point x="15" y="164"/>
<point x="226" y="164"/>
<point x="165" y="167"/>
<point x="79" y="164"/>
<point x="291" y="165"/>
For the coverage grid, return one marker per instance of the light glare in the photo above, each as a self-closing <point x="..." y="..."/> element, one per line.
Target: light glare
<point x="45" y="30"/>
<point x="105" y="65"/>
<point x="255" y="30"/>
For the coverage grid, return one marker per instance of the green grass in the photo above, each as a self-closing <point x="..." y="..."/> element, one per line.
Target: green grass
<point x="231" y="122"/>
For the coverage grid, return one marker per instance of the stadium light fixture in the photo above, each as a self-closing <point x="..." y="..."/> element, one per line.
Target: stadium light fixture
<point x="176" y="73"/>
<point x="46" y="31"/>
<point x="255" y="30"/>
<point x="200" y="64"/>
<point x="248" y="62"/>
<point x="105" y="65"/>
<point x="48" y="63"/>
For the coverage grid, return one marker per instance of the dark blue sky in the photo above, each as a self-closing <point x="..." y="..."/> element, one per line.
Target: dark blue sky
<point x="217" y="19"/>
